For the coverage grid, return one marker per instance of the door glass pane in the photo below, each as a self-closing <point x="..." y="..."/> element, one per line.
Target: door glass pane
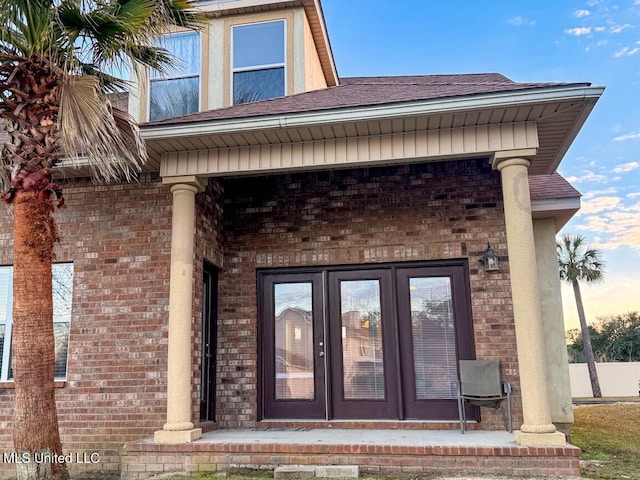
<point x="434" y="346"/>
<point x="361" y="330"/>
<point x="294" y="341"/>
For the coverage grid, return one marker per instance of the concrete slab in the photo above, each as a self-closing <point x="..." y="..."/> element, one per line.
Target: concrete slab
<point x="338" y="471"/>
<point x="294" y="471"/>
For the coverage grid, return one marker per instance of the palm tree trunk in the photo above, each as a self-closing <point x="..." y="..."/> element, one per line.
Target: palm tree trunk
<point x="586" y="341"/>
<point x="35" y="417"/>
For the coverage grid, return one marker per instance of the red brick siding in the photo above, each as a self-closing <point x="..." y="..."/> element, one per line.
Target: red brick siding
<point x="118" y="238"/>
<point x="428" y="211"/>
<point x="145" y="461"/>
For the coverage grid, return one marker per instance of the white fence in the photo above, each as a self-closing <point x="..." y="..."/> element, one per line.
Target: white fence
<point x="617" y="379"/>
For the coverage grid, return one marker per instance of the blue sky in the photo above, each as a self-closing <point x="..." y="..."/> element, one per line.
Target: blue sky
<point x="596" y="41"/>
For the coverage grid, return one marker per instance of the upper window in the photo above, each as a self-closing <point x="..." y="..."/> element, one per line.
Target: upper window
<point x="258" y="61"/>
<point x="62" y="294"/>
<point x="177" y="91"/>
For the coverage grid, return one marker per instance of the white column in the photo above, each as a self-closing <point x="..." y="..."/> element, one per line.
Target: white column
<point x="560" y="400"/>
<point x="179" y="427"/>
<point x="537" y="428"/>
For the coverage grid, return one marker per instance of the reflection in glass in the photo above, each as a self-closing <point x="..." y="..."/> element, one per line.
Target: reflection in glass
<point x="294" y="341"/>
<point x="251" y="86"/>
<point x="434" y="346"/>
<point x="258" y="44"/>
<point x="361" y="327"/>
<point x="176" y="92"/>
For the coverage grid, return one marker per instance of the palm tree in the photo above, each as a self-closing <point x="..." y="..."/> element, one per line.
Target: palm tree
<point x="578" y="263"/>
<point x="54" y="55"/>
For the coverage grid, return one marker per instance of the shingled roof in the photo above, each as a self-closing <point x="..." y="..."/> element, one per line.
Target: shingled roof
<point x="367" y="91"/>
<point x="551" y="187"/>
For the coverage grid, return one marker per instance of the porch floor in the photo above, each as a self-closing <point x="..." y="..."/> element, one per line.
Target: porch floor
<point x="374" y="451"/>
<point x="349" y="436"/>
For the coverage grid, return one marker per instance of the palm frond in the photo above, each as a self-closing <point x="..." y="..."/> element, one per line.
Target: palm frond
<point x="577" y="261"/>
<point x="106" y="138"/>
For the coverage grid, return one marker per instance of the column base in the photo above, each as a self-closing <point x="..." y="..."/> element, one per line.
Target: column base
<point x="555" y="439"/>
<point x="177" y="436"/>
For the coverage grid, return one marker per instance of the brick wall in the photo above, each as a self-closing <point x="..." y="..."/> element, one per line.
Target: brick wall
<point x="428" y="211"/>
<point x="118" y="238"/>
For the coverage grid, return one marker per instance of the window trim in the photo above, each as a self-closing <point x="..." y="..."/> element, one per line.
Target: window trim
<point x="168" y="76"/>
<point x="255" y="68"/>
<point x="8" y="328"/>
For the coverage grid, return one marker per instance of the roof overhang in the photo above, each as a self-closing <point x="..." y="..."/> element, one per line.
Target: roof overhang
<point x="561" y="210"/>
<point x="556" y="113"/>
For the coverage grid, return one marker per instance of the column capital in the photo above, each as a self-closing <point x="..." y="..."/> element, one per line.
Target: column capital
<point x="504" y="158"/>
<point x="199" y="183"/>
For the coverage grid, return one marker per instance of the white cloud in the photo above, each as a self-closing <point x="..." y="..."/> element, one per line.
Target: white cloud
<point x="582" y="13"/>
<point x="519" y="21"/>
<point x="578" y="31"/>
<point x="634" y="194"/>
<point x="598" y="193"/>
<point x="617" y="224"/>
<point x="628" y="136"/>
<point x="626" y="52"/>
<point x="626" y="167"/>
<point x="599" y="204"/>
<point x="620" y="28"/>
<point x="587" y="177"/>
<point x="593" y="3"/>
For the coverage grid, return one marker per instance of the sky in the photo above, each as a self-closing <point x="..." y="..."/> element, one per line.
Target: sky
<point x="595" y="41"/>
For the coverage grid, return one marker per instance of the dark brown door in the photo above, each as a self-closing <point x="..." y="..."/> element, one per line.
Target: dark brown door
<point x="364" y="372"/>
<point x="209" y="342"/>
<point x="434" y="329"/>
<point x="364" y="343"/>
<point x="293" y="346"/>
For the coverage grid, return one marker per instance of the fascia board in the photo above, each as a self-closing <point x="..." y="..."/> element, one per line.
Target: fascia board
<point x="538" y="206"/>
<point x="378" y="112"/>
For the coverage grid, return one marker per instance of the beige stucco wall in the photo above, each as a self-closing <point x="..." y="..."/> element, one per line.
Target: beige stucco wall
<point x="303" y="70"/>
<point x="556" y="357"/>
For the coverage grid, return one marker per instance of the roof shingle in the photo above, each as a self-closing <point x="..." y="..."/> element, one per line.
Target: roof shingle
<point x="366" y="91"/>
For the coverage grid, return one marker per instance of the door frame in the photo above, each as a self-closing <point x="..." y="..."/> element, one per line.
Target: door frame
<point x="271" y="407"/>
<point x="465" y="344"/>
<point x="209" y="342"/>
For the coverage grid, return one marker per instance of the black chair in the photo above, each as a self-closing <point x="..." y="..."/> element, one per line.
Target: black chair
<point x="480" y="385"/>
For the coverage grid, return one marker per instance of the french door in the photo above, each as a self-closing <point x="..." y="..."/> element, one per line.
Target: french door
<point x="364" y="343"/>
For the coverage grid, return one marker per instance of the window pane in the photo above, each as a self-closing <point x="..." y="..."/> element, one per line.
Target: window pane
<point x="174" y="98"/>
<point x="258" y="44"/>
<point x="185" y="48"/>
<point x="294" y="341"/>
<point x="5" y="293"/>
<point x="62" y="288"/>
<point x="61" y="336"/>
<point x="362" y="355"/>
<point x="258" y="85"/>
<point x="2" y="327"/>
<point x="434" y="346"/>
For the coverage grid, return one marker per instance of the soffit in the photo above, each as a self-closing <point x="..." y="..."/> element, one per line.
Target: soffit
<point x="557" y="122"/>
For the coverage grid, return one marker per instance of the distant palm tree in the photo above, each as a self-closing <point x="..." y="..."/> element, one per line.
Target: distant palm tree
<point x="577" y="263"/>
<point x="53" y="86"/>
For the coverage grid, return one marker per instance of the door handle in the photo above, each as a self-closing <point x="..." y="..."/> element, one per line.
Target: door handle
<point x="321" y="354"/>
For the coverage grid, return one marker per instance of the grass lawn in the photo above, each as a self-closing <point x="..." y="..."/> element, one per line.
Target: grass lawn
<point x="609" y="436"/>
